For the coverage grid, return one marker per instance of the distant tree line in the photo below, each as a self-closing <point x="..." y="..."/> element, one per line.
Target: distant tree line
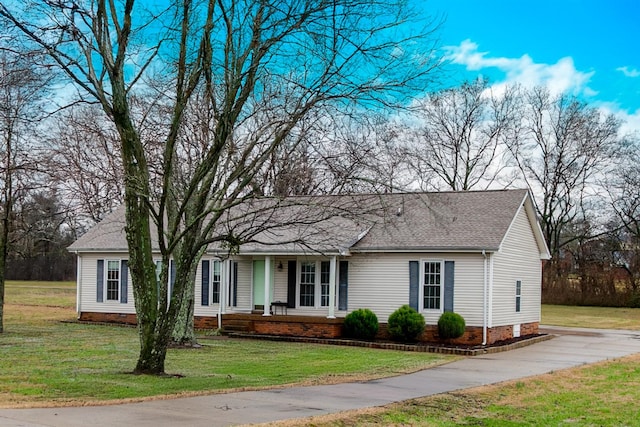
<point x="583" y="171"/>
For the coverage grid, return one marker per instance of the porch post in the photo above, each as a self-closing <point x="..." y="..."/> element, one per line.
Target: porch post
<point x="332" y="288"/>
<point x="267" y="286"/>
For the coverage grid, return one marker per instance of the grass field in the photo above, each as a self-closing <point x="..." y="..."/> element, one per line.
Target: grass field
<point x="591" y="317"/>
<point x="44" y="361"/>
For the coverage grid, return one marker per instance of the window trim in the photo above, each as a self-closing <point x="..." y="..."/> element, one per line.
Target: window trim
<point x="299" y="283"/>
<point x="105" y="284"/>
<point x="318" y="284"/>
<point x="422" y="285"/>
<point x="220" y="282"/>
<point x="212" y="281"/>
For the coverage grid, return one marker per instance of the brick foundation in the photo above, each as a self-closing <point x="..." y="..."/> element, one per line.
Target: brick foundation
<point x="201" y="322"/>
<point x="311" y="327"/>
<point x="127" y="319"/>
<point x="320" y="327"/>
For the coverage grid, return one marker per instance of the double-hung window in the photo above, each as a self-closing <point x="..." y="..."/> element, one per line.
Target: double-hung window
<point x="113" y="280"/>
<point x="518" y="295"/>
<point x="325" y="272"/>
<point x="216" y="280"/>
<point x="314" y="283"/>
<point x="307" y="283"/>
<point x="211" y="282"/>
<point x="112" y="276"/>
<point x="432" y="285"/>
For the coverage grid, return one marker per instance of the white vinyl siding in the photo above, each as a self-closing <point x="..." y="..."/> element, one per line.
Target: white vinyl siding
<point x="199" y="309"/>
<point x="280" y="277"/>
<point x="380" y="282"/>
<point x="245" y="285"/>
<point x="518" y="259"/>
<point x="88" y="295"/>
<point x="217" y="279"/>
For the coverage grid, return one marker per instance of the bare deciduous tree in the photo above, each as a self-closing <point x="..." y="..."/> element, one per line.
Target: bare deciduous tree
<point x="563" y="147"/>
<point x="460" y="142"/>
<point x="22" y="86"/>
<point x="82" y="166"/>
<point x="261" y="67"/>
<point x="623" y="186"/>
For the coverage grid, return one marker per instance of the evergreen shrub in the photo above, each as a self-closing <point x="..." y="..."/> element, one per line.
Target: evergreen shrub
<point x="405" y="324"/>
<point x="361" y="323"/>
<point x="450" y="326"/>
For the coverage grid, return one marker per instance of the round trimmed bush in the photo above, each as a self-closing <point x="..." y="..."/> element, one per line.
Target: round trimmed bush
<point x="361" y="323"/>
<point x="450" y="326"/>
<point x="405" y="324"/>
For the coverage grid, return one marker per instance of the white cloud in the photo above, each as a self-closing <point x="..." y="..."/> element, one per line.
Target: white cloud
<point x="629" y="72"/>
<point x="630" y="120"/>
<point x="559" y="77"/>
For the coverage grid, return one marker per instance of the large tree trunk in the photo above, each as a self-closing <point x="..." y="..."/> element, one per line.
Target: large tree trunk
<point x="183" y="331"/>
<point x="154" y="330"/>
<point x="143" y="276"/>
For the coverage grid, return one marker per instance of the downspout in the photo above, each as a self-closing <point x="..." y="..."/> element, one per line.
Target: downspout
<point x="485" y="305"/>
<point x="78" y="284"/>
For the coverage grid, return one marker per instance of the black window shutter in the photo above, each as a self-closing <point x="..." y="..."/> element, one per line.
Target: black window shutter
<point x="292" y="269"/>
<point x="100" y="281"/>
<point x="343" y="285"/>
<point x="205" y="282"/>
<point x="448" y="285"/>
<point x="124" y="281"/>
<point x="234" y="284"/>
<point x="414" y="286"/>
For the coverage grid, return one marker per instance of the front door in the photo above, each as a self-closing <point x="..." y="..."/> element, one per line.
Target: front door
<point x="258" y="285"/>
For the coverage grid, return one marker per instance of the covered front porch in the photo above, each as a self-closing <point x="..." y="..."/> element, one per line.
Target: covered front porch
<point x="273" y="286"/>
<point x="281" y="325"/>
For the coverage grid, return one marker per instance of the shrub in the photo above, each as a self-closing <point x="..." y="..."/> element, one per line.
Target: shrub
<point x="405" y="324"/>
<point x="450" y="326"/>
<point x="361" y="323"/>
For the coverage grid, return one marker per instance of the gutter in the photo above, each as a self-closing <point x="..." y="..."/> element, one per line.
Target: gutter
<point x="424" y="249"/>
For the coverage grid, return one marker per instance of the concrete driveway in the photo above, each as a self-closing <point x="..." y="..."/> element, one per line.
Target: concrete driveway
<point x="571" y="347"/>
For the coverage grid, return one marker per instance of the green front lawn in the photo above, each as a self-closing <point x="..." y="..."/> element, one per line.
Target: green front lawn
<point x="44" y="361"/>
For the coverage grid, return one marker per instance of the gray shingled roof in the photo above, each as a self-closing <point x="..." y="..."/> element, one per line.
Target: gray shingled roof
<point x="446" y="221"/>
<point x="106" y="236"/>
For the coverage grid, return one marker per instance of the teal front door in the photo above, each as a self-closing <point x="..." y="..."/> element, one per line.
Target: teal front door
<point x="258" y="284"/>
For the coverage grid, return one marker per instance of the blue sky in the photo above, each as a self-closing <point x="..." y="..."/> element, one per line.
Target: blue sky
<point x="589" y="48"/>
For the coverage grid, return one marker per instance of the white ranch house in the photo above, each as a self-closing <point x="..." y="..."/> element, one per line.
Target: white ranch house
<point x="478" y="253"/>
